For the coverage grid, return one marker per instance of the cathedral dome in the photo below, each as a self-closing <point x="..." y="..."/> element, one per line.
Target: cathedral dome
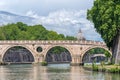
<point x="80" y="35"/>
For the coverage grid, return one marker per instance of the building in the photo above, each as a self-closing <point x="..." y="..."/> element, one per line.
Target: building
<point x="80" y="35"/>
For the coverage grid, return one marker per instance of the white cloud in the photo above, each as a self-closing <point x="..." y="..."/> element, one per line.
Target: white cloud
<point x="2" y="3"/>
<point x="43" y="7"/>
<point x="67" y="22"/>
<point x="63" y="17"/>
<point x="32" y="14"/>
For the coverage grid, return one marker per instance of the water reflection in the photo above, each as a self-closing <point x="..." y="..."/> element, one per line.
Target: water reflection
<point x="52" y="72"/>
<point x="78" y="73"/>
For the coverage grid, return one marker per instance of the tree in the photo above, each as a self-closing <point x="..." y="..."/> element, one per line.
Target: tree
<point x="21" y="31"/>
<point x="70" y="38"/>
<point x="2" y="36"/>
<point x="52" y="35"/>
<point x="21" y="26"/>
<point x="105" y="14"/>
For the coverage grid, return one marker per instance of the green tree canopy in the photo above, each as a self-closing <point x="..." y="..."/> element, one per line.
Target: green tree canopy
<point x="21" y="31"/>
<point x="99" y="51"/>
<point x="105" y="14"/>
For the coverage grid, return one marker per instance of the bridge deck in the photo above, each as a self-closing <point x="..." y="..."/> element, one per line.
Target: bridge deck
<point x="46" y="42"/>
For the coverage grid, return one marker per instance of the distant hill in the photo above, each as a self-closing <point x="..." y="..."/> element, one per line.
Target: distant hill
<point x="7" y="17"/>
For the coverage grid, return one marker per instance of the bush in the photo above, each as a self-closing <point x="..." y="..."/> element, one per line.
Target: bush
<point x="103" y="69"/>
<point x="102" y="64"/>
<point x="44" y="63"/>
<point x="109" y="63"/>
<point x="114" y="70"/>
<point x="2" y="63"/>
<point x="94" y="67"/>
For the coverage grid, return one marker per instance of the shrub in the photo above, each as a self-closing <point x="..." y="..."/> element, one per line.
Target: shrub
<point x="94" y="67"/>
<point x="102" y="64"/>
<point x="2" y="63"/>
<point x="44" y="63"/>
<point x="103" y="69"/>
<point x="114" y="70"/>
<point x="109" y="63"/>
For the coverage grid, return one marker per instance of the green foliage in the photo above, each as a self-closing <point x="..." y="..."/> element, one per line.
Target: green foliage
<point x="105" y="14"/>
<point x="70" y="38"/>
<point x="21" y="31"/>
<point x="107" y="54"/>
<point x="96" y="51"/>
<point x="2" y="63"/>
<point x="100" y="51"/>
<point x="94" y="67"/>
<point x="114" y="70"/>
<point x="2" y="35"/>
<point x="103" y="69"/>
<point x="57" y="50"/>
<point x="102" y="64"/>
<point x="109" y="63"/>
<point x="44" y="63"/>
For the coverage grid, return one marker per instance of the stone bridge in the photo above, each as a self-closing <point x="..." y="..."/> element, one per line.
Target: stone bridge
<point x="77" y="48"/>
<point x="95" y="55"/>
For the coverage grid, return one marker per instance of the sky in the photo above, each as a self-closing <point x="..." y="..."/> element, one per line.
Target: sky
<point x="63" y="16"/>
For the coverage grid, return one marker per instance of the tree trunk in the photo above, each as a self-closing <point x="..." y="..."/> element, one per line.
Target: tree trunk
<point x="116" y="49"/>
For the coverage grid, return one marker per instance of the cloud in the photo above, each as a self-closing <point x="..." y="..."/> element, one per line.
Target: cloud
<point x="32" y="14"/>
<point x="67" y="22"/>
<point x="2" y="3"/>
<point x="43" y="7"/>
<point x="63" y="16"/>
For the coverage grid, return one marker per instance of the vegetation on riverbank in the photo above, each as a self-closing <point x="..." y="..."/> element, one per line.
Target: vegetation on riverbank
<point x="103" y="68"/>
<point x="44" y="63"/>
<point x="2" y="63"/>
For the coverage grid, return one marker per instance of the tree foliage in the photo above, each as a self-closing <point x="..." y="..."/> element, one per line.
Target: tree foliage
<point x="58" y="50"/>
<point x="99" y="51"/>
<point x="21" y="31"/>
<point x="105" y="14"/>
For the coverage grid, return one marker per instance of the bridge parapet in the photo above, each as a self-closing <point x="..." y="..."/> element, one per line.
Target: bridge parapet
<point x="77" y="48"/>
<point x="85" y="42"/>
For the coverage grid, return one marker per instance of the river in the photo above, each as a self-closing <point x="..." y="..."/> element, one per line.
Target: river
<point x="52" y="72"/>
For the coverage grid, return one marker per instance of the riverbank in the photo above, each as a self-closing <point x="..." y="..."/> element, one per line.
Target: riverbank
<point x="2" y="63"/>
<point x="103" y="68"/>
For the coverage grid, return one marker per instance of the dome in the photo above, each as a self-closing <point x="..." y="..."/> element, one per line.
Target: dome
<point x="80" y="35"/>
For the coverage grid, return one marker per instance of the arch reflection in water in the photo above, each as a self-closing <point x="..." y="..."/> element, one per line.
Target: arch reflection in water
<point x="18" y="54"/>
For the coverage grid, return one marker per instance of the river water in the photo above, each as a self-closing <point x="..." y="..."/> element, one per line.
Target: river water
<point x="52" y="72"/>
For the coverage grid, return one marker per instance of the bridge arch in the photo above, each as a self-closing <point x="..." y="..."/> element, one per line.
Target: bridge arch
<point x="92" y="47"/>
<point x="12" y="46"/>
<point x="63" y="46"/>
<point x="95" y="55"/>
